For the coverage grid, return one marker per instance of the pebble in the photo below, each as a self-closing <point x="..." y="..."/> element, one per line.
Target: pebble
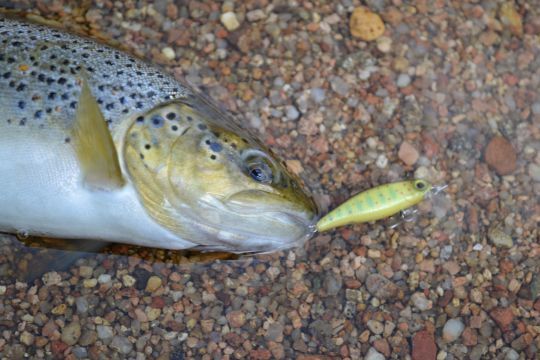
<point x="26" y="338"/>
<point x="51" y="278"/>
<point x="154" y="283"/>
<point x="384" y="44"/>
<point x="408" y="153"/>
<point x="501" y="156"/>
<point x="423" y="346"/>
<point x="503" y="317"/>
<point x="71" y="333"/>
<point x="339" y="85"/>
<point x="255" y="15"/>
<point x="89" y="283"/>
<point x="452" y="330"/>
<point x="3" y="289"/>
<point x="499" y="238"/>
<point x="375" y="326"/>
<point x="169" y="53"/>
<point x="365" y="24"/>
<point x="104" y="332"/>
<point x="403" y="80"/>
<point x="511" y="18"/>
<point x="85" y="271"/>
<point x="373" y="354"/>
<point x="121" y="344"/>
<point x="236" y="319"/>
<point x="292" y="112"/>
<point x="421" y="302"/>
<point x="332" y="284"/>
<point x="534" y="172"/>
<point x="230" y="21"/>
<point x="80" y="352"/>
<point x="318" y="95"/>
<point x="104" y="278"/>
<point x="128" y="280"/>
<point x="82" y="305"/>
<point x="381" y="287"/>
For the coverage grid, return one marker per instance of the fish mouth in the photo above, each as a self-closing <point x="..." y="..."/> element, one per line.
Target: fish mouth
<point x="264" y="226"/>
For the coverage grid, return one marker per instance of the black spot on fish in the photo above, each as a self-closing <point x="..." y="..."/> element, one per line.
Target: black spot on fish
<point x="151" y="94"/>
<point x="62" y="81"/>
<point x="6" y="75"/>
<point x="38" y="114"/>
<point x="73" y="104"/>
<point x="109" y="106"/>
<point x="147" y="146"/>
<point x="10" y="60"/>
<point x="21" y="104"/>
<point x="65" y="96"/>
<point x="140" y="119"/>
<point x="157" y="121"/>
<point x="174" y="128"/>
<point x="41" y="77"/>
<point x="201" y="126"/>
<point x="21" y="87"/>
<point x="213" y="157"/>
<point x="52" y="95"/>
<point x="171" y="116"/>
<point x="67" y="140"/>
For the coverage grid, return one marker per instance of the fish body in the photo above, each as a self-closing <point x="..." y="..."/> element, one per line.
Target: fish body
<point x="97" y="144"/>
<point x="376" y="203"/>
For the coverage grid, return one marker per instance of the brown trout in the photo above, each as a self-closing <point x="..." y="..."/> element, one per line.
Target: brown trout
<point x="96" y="144"/>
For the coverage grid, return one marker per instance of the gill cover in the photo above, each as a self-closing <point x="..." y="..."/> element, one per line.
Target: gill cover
<point x="205" y="182"/>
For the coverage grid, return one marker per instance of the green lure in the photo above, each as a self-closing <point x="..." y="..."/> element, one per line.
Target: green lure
<point x="377" y="203"/>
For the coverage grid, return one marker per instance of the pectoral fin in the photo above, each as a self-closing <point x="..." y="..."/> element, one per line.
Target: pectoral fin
<point x="94" y="145"/>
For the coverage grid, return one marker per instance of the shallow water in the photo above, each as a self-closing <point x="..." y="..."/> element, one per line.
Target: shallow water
<point x="350" y="115"/>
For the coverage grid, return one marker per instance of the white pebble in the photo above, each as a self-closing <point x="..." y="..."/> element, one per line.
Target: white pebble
<point x="292" y="112"/>
<point x="230" y="21"/>
<point x="384" y="44"/>
<point x="403" y="80"/>
<point x="104" y="278"/>
<point x="374" y="355"/>
<point x="169" y="53"/>
<point x="452" y="330"/>
<point x="382" y="161"/>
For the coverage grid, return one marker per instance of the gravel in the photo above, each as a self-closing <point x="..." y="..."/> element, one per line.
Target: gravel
<point x="448" y="92"/>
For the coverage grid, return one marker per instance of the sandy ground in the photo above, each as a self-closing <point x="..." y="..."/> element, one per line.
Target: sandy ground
<point x="448" y="91"/>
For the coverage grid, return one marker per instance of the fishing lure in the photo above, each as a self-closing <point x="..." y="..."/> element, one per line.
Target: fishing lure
<point x="377" y="203"/>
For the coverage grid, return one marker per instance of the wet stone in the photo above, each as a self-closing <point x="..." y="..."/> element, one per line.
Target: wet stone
<point x="332" y="284"/>
<point x="121" y="344"/>
<point x="452" y="330"/>
<point x="71" y="333"/>
<point x="104" y="332"/>
<point x="501" y="156"/>
<point x="381" y="287"/>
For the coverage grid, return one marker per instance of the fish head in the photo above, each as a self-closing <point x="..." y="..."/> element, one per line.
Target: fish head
<point x="213" y="184"/>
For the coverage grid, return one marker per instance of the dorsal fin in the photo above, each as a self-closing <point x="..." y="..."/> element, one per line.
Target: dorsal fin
<point x="94" y="145"/>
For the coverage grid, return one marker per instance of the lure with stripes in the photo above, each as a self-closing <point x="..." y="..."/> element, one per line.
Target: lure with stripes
<point x="377" y="203"/>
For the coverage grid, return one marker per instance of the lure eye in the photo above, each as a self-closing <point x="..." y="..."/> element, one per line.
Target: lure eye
<point x="420" y="185"/>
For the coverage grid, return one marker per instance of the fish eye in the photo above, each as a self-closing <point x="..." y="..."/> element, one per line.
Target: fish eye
<point x="261" y="174"/>
<point x="420" y="185"/>
<point x="259" y="167"/>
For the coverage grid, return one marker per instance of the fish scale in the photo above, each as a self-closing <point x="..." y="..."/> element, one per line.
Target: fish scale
<point x="53" y="61"/>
